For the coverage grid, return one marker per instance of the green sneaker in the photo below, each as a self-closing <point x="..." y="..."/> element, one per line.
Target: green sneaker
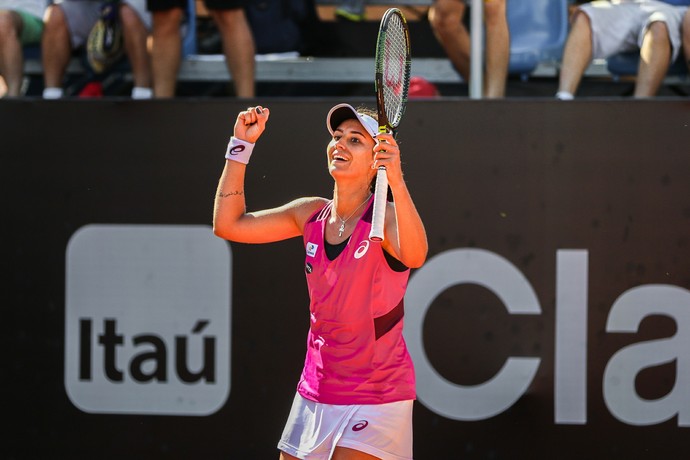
<point x="350" y="15"/>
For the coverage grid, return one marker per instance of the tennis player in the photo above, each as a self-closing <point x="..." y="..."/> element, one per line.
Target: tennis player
<point x="355" y="395"/>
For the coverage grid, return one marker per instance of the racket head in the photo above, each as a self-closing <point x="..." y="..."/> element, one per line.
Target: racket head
<point x="392" y="70"/>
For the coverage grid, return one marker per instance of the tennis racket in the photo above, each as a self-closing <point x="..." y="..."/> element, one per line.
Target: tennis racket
<point x="392" y="82"/>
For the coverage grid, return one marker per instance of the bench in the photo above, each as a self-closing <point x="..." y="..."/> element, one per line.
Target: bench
<point x="351" y="69"/>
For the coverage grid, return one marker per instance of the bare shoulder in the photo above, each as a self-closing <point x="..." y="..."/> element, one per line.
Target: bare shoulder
<point x="305" y="207"/>
<point x="309" y="203"/>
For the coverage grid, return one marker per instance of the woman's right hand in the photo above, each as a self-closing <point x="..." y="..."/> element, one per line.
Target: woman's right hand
<point x="250" y="124"/>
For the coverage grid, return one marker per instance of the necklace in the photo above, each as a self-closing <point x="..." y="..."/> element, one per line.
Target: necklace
<point x="341" y="229"/>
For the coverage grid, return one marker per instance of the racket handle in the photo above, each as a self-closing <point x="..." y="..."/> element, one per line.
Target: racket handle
<point x="379" y="212"/>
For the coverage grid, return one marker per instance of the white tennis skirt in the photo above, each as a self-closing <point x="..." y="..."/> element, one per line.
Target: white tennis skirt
<point x="313" y="430"/>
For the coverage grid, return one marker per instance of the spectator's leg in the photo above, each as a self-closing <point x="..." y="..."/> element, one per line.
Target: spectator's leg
<point x="577" y="54"/>
<point x="686" y="38"/>
<point x="445" y="17"/>
<point x="135" y="37"/>
<point x="166" y="53"/>
<point x="497" y="48"/>
<point x="238" y="46"/>
<point x="655" y="58"/>
<point x="11" y="53"/>
<point x="56" y="47"/>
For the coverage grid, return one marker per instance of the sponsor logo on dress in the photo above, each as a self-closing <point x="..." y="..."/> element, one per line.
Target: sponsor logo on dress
<point x="311" y="249"/>
<point x="362" y="249"/>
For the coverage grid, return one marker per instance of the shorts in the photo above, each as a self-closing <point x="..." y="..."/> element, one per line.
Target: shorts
<point x="620" y="26"/>
<point x="163" y="5"/>
<point x="313" y="429"/>
<point x="469" y="2"/>
<point x="82" y="15"/>
<point x="32" y="28"/>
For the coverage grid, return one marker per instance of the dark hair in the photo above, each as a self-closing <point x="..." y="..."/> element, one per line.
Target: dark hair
<point x="372" y="113"/>
<point x="367" y="111"/>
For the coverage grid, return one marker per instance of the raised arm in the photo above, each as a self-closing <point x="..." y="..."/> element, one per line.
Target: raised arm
<point x="231" y="220"/>
<point x="405" y="236"/>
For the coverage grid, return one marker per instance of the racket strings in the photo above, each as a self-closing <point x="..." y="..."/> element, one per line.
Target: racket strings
<point x="395" y="69"/>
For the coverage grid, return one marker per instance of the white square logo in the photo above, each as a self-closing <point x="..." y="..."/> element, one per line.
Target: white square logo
<point x="311" y="249"/>
<point x="147" y="320"/>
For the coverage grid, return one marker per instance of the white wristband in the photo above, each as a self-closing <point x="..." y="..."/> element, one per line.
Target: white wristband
<point x="239" y="150"/>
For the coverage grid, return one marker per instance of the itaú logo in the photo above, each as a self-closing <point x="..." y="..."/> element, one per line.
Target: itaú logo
<point x="499" y="393"/>
<point x="143" y="334"/>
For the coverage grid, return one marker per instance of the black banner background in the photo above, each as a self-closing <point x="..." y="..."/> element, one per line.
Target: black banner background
<point x="519" y="178"/>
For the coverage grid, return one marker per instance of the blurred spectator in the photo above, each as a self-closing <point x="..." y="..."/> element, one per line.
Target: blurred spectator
<point x="446" y="17"/>
<point x="68" y="24"/>
<point x="279" y="26"/>
<point x="573" y="4"/>
<point x="238" y="43"/>
<point x="686" y="38"/>
<point x="602" y="28"/>
<point x="21" y="24"/>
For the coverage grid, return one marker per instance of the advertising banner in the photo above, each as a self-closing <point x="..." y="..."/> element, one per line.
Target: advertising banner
<point x="550" y="320"/>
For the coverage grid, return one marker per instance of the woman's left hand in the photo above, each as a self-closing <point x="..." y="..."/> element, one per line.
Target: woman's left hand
<point x="387" y="154"/>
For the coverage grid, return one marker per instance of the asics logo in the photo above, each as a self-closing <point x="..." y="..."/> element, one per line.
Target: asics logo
<point x="360" y="426"/>
<point x="236" y="150"/>
<point x="362" y="249"/>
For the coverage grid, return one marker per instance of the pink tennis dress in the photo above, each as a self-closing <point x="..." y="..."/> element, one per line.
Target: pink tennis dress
<point x="356" y="353"/>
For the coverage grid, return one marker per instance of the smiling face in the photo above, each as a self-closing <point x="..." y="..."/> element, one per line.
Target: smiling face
<point x="350" y="152"/>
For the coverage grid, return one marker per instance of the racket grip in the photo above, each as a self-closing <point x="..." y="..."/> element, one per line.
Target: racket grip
<point x="379" y="212"/>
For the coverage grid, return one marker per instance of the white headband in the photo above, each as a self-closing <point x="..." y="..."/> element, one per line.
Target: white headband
<point x="342" y="112"/>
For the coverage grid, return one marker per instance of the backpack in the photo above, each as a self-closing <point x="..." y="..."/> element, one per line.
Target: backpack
<point x="105" y="43"/>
